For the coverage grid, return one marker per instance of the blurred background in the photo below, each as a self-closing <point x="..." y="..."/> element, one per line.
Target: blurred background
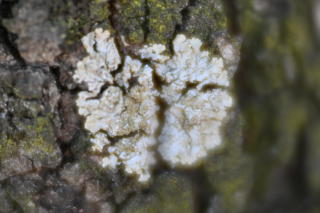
<point x="278" y="90"/>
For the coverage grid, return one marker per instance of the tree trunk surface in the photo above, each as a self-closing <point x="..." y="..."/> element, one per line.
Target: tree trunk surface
<point x="269" y="160"/>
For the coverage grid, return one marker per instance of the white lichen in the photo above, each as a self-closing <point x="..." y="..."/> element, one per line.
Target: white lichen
<point x="153" y="52"/>
<point x="191" y="126"/>
<point x="190" y="65"/>
<point x="103" y="58"/>
<point x="193" y="119"/>
<point x="134" y="153"/>
<point x="121" y="109"/>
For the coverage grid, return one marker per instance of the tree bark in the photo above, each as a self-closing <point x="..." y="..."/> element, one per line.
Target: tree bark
<point x="270" y="158"/>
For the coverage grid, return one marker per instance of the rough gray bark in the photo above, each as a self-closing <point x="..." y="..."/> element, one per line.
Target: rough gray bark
<point x="270" y="161"/>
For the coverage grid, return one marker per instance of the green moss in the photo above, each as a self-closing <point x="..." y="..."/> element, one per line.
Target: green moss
<point x="41" y="136"/>
<point x="170" y="193"/>
<point x="26" y="203"/>
<point x="99" y="11"/>
<point x="83" y="144"/>
<point x="39" y="146"/>
<point x="140" y="21"/>
<point x="248" y="20"/>
<point x="275" y="85"/>
<point x="163" y="18"/>
<point x="229" y="173"/>
<point x="313" y="158"/>
<point x="131" y="19"/>
<point x="206" y="20"/>
<point x="229" y="169"/>
<point x="81" y="17"/>
<point x="37" y="140"/>
<point x="42" y="124"/>
<point x="8" y="147"/>
<point x="178" y="186"/>
<point x="91" y="167"/>
<point x="20" y="94"/>
<point x="22" y="190"/>
<point x="149" y="21"/>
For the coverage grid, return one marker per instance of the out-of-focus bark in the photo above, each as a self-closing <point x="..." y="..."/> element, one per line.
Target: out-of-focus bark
<point x="277" y="87"/>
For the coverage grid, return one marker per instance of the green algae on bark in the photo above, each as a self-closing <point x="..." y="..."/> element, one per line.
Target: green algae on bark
<point x="35" y="141"/>
<point x="171" y="193"/>
<point x="130" y="19"/>
<point x="28" y="139"/>
<point x="229" y="170"/>
<point x="43" y="143"/>
<point x="163" y="18"/>
<point x="276" y="87"/>
<point x="154" y="21"/>
<point x="80" y="17"/>
<point x="206" y="20"/>
<point x="148" y="21"/>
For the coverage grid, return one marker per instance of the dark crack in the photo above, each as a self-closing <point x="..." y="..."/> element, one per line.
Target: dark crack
<point x="212" y="86"/>
<point x="189" y="86"/>
<point x="6" y="38"/>
<point x="115" y="139"/>
<point x="179" y="27"/>
<point x="185" y="16"/>
<point x="55" y="71"/>
<point x="161" y="116"/>
<point x="145" y="24"/>
<point x="102" y="90"/>
<point x="67" y="154"/>
<point x="163" y="107"/>
<point x="232" y="13"/>
<point x="133" y="82"/>
<point x="10" y="46"/>
<point x="118" y="43"/>
<point x="5" y="8"/>
<point x="158" y="82"/>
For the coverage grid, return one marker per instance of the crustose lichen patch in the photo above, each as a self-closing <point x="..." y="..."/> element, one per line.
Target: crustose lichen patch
<point x="121" y="108"/>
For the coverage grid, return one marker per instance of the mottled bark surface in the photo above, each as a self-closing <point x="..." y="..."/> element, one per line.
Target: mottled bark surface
<point x="271" y="154"/>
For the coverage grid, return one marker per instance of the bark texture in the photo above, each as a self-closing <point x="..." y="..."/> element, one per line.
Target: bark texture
<point x="271" y="154"/>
